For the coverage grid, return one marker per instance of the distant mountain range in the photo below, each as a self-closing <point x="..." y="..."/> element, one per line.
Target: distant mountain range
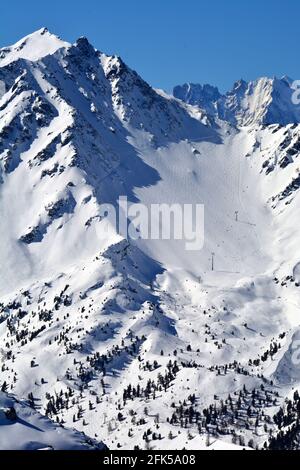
<point x="264" y="101"/>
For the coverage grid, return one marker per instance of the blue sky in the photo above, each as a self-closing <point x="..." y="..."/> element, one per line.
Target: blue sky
<point x="173" y="41"/>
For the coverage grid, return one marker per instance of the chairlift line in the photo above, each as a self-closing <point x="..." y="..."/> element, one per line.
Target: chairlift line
<point x="212" y="260"/>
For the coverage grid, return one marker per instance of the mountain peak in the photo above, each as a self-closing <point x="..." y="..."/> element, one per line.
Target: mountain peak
<point x="195" y="94"/>
<point x="85" y="46"/>
<point x="34" y="46"/>
<point x="240" y="85"/>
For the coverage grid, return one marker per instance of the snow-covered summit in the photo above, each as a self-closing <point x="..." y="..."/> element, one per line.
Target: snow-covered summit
<point x="32" y="47"/>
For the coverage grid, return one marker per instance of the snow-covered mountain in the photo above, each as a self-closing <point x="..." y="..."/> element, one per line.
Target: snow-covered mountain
<point x="264" y="101"/>
<point x="139" y="342"/>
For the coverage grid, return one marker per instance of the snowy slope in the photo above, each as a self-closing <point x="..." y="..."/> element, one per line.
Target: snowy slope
<point x="22" y="428"/>
<point x="114" y="337"/>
